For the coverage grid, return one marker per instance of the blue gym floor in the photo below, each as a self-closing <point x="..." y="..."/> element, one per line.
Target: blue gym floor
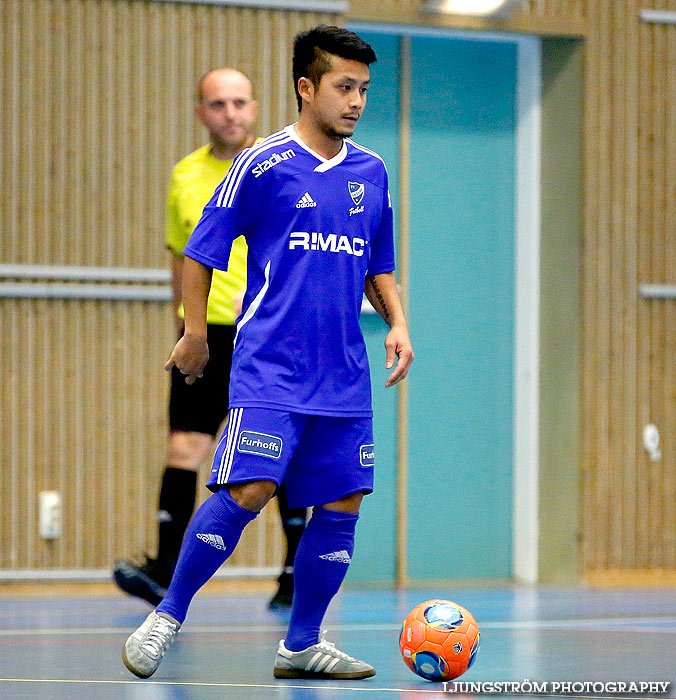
<point x="70" y="647"/>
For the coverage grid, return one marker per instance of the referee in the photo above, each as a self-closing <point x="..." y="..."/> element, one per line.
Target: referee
<point x="226" y="107"/>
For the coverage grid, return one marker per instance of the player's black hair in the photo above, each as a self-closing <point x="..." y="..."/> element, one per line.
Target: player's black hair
<point x="313" y="48"/>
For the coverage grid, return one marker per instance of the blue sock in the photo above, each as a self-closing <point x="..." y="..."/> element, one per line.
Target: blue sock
<point x="322" y="559"/>
<point x="210" y="539"/>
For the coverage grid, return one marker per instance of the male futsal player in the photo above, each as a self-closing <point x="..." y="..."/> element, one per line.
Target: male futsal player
<point x="315" y="210"/>
<point x="226" y="107"/>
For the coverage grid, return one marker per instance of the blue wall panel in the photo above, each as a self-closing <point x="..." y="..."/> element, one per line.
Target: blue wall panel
<point x="374" y="558"/>
<point x="462" y="299"/>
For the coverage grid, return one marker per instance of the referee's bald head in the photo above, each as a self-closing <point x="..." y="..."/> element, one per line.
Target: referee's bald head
<point x="226" y="107"/>
<point x="217" y="76"/>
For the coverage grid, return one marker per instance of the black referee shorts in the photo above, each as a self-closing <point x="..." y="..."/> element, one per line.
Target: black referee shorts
<point x="202" y="407"/>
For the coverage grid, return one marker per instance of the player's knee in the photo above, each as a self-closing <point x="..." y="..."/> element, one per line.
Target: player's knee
<point x="253" y="495"/>
<point x="187" y="450"/>
<point x="349" y="504"/>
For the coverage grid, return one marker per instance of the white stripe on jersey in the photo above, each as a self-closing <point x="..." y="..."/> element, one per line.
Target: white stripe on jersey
<point x="237" y="179"/>
<point x="366" y="150"/>
<point x="236" y="173"/>
<point x="239" y="159"/>
<point x="253" y="307"/>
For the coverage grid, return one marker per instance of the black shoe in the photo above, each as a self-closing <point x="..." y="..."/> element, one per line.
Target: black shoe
<point x="148" y="581"/>
<point x="284" y="596"/>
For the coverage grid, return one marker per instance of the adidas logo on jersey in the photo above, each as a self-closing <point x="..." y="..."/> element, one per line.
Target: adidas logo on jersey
<point x="342" y="557"/>
<point x="306" y="201"/>
<point x="330" y="242"/>
<point x="213" y="540"/>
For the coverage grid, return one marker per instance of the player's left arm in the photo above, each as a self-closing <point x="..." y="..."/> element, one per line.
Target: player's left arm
<point x="381" y="291"/>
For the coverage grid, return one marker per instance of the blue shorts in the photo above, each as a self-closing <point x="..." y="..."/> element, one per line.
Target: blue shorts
<point x="321" y="458"/>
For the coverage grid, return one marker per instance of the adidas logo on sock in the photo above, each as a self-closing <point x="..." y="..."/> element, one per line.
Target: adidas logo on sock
<point x="306" y="201"/>
<point x="213" y="540"/>
<point x="343" y="557"/>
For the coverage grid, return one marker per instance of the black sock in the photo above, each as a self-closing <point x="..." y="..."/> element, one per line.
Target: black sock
<point x="177" y="502"/>
<point x="293" y="522"/>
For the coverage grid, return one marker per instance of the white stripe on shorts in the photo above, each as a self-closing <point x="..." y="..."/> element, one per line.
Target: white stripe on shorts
<point x="227" y="437"/>
<point x="233" y="447"/>
<point x="232" y="420"/>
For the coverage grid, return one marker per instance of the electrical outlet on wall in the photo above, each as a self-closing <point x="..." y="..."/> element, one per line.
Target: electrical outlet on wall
<point x="49" y="514"/>
<point x="651" y="442"/>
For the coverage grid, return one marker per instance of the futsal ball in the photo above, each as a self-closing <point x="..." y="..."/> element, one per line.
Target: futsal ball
<point x="439" y="640"/>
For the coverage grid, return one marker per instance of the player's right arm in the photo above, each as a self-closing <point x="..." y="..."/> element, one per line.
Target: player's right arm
<point x="191" y="353"/>
<point x="224" y="219"/>
<point x="176" y="288"/>
<point x="177" y="235"/>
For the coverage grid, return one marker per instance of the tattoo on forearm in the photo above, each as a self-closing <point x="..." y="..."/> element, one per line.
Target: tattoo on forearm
<point x="379" y="297"/>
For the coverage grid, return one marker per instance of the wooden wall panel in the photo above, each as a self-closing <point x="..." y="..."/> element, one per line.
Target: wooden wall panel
<point x="556" y="8"/>
<point x="83" y="413"/>
<point x="629" y="380"/>
<point x="96" y="106"/>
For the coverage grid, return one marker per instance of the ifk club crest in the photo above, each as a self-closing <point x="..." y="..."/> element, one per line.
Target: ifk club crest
<point x="356" y="191"/>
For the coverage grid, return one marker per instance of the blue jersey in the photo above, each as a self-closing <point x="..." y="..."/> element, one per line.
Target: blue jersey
<point x="315" y="228"/>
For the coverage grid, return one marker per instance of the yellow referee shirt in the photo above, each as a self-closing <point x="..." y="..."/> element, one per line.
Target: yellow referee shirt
<point x="193" y="183"/>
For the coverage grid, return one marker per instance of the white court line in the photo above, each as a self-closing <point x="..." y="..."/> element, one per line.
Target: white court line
<point x="572" y="624"/>
<point x="277" y="687"/>
<point x="235" y="685"/>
